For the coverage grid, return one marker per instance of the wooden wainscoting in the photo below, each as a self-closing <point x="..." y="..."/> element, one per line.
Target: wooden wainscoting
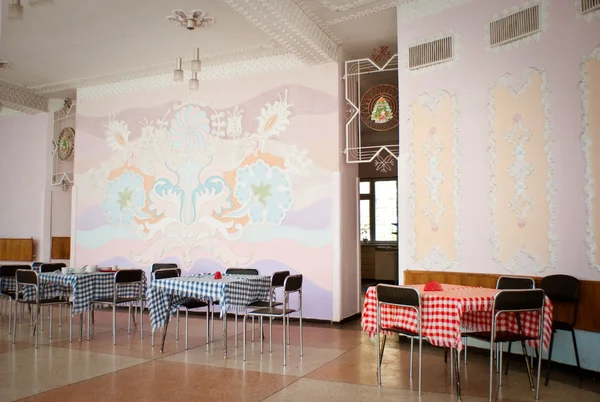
<point x="16" y="250"/>
<point x="61" y="248"/>
<point x="588" y="316"/>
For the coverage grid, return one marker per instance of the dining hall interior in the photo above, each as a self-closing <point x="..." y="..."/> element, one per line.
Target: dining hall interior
<point x="289" y="200"/>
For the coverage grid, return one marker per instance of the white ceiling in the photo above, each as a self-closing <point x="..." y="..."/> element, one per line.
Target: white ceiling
<point x="70" y="44"/>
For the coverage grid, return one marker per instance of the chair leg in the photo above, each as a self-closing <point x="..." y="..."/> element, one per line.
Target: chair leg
<point x="284" y="343"/>
<point x="301" y="346"/>
<point x="260" y="321"/>
<point x="212" y="320"/>
<point x="114" y="324"/>
<point x="378" y="351"/>
<point x="270" y="334"/>
<point x="90" y="312"/>
<point x="235" y="321"/>
<point x="576" y="354"/>
<point x="549" y="358"/>
<point x="465" y="344"/>
<point x="410" y="370"/>
<point x="208" y="324"/>
<point x="152" y="338"/>
<point x="129" y="319"/>
<point x="142" y="319"/>
<point x="491" y="391"/>
<point x="186" y="328"/>
<point x="253" y="329"/>
<point x="14" y="324"/>
<point x="60" y="316"/>
<point x="420" y="361"/>
<point x="177" y="325"/>
<point x="508" y="357"/>
<point x="41" y="319"/>
<point x="244" y="335"/>
<point x="288" y="330"/>
<point x="37" y="319"/>
<point x="71" y="323"/>
<point x="50" y="325"/>
<point x="10" y="309"/>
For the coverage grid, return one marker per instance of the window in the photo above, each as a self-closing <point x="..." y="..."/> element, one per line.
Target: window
<point x="378" y="210"/>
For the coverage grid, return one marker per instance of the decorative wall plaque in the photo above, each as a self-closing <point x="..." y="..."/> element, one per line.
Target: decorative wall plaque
<point x="379" y="107"/>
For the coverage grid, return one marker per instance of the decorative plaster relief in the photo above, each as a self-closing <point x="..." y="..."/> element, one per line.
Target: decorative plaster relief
<point x="21" y="99"/>
<point x="590" y="88"/>
<point x="430" y="38"/>
<point x="522" y="195"/>
<point x="525" y="40"/>
<point x="587" y="17"/>
<point x="363" y="13"/>
<point x="333" y="6"/>
<point x="434" y="188"/>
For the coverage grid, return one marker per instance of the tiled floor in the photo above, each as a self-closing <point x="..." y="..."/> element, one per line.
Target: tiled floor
<point x="338" y="365"/>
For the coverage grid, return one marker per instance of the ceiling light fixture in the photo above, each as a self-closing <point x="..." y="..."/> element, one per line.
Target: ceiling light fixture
<point x="178" y="72"/>
<point x="190" y="20"/>
<point x="15" y="11"/>
<point x="196" y="64"/>
<point x="194" y="82"/>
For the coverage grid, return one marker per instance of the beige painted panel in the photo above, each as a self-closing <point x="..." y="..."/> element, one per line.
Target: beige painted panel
<point x="435" y="216"/>
<point x="521" y="169"/>
<point x="592" y="67"/>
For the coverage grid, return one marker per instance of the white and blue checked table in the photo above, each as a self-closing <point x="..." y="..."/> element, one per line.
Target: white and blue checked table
<point x="233" y="292"/>
<point x="82" y="288"/>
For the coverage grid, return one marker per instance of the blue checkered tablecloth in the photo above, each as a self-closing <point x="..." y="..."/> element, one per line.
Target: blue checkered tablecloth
<point x="83" y="288"/>
<point x="8" y="284"/>
<point x="233" y="292"/>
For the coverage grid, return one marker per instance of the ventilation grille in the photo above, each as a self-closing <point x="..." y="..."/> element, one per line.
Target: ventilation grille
<point x="434" y="52"/>
<point x="589" y="5"/>
<point x="515" y="26"/>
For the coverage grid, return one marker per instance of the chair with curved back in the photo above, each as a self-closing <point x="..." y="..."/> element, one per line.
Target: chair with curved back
<point x="46" y="267"/>
<point x="236" y="271"/>
<point x="563" y="290"/>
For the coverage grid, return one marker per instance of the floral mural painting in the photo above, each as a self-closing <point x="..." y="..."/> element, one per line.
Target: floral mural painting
<point x="195" y="178"/>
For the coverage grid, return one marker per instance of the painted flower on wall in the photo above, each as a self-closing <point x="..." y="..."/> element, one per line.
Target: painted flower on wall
<point x="117" y="135"/>
<point x="125" y="198"/>
<point x="188" y="128"/>
<point x="273" y="119"/>
<point x="264" y="191"/>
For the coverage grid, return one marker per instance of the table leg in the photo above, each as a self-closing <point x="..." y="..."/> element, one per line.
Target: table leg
<point x="164" y="334"/>
<point x="81" y="326"/>
<point x="225" y="334"/>
<point x="457" y="369"/>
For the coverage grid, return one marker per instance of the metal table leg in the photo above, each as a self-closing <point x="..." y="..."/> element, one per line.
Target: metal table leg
<point x="164" y="334"/>
<point x="224" y="333"/>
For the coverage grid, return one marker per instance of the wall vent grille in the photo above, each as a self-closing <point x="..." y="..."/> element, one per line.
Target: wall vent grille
<point x="515" y="26"/>
<point x="589" y="6"/>
<point x="430" y="53"/>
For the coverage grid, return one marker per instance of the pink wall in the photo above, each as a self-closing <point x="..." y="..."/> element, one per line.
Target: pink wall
<point x="239" y="173"/>
<point x="468" y="80"/>
<point x="24" y="180"/>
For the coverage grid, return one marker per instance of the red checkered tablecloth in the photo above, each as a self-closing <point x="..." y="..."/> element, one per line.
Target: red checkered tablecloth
<point x="447" y="313"/>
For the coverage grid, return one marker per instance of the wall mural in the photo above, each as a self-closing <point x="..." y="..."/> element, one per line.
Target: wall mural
<point x="590" y="87"/>
<point x="211" y="188"/>
<point x="522" y="195"/>
<point x="436" y="238"/>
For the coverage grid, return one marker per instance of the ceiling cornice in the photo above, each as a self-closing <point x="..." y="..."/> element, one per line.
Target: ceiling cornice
<point x="209" y="73"/>
<point x="284" y="22"/>
<point x="21" y="99"/>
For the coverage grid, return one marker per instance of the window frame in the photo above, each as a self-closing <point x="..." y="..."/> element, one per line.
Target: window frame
<point x="372" y="207"/>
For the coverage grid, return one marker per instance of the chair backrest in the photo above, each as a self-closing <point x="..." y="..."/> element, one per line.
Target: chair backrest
<point x="48" y="267"/>
<point x="241" y="271"/>
<point x="293" y="283"/>
<point x="519" y="300"/>
<point x="163" y="265"/>
<point x="9" y="271"/>
<point x="278" y="278"/>
<point x="27" y="277"/>
<point x="167" y="273"/>
<point x="398" y="295"/>
<point x="515" y="282"/>
<point x="561" y="288"/>
<point x="129" y="275"/>
<point x="37" y="264"/>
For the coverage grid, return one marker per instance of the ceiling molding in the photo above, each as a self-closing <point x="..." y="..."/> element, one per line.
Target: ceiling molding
<point x="21" y="99"/>
<point x="284" y="22"/>
<point x="332" y="6"/>
<point x="363" y="13"/>
<point x="310" y="12"/>
<point x="210" y="73"/>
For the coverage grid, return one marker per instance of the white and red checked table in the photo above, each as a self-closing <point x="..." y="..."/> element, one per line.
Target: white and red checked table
<point x="445" y="314"/>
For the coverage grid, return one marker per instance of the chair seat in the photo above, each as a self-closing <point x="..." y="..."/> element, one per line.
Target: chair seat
<point x="501" y="336"/>
<point x="54" y="300"/>
<point x="260" y="303"/>
<point x="401" y="331"/>
<point x="194" y="304"/>
<point x="561" y="325"/>
<point x="8" y="293"/>
<point x="271" y="311"/>
<point x="110" y="300"/>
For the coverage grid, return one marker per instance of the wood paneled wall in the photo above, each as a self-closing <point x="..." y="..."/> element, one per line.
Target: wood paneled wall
<point x="61" y="248"/>
<point x="588" y="316"/>
<point x="16" y="250"/>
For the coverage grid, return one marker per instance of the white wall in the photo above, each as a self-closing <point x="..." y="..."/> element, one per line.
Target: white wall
<point x="24" y="155"/>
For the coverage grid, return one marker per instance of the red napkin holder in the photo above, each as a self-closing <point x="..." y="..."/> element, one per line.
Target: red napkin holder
<point x="433" y="286"/>
<point x="218" y="275"/>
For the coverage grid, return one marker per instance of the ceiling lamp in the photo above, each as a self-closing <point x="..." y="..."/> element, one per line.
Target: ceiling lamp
<point x="15" y="11"/>
<point x="196" y="65"/>
<point x="178" y="72"/>
<point x="194" y="82"/>
<point x="191" y="20"/>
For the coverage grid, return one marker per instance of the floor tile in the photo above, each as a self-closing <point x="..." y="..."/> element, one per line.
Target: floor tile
<point x="168" y="381"/>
